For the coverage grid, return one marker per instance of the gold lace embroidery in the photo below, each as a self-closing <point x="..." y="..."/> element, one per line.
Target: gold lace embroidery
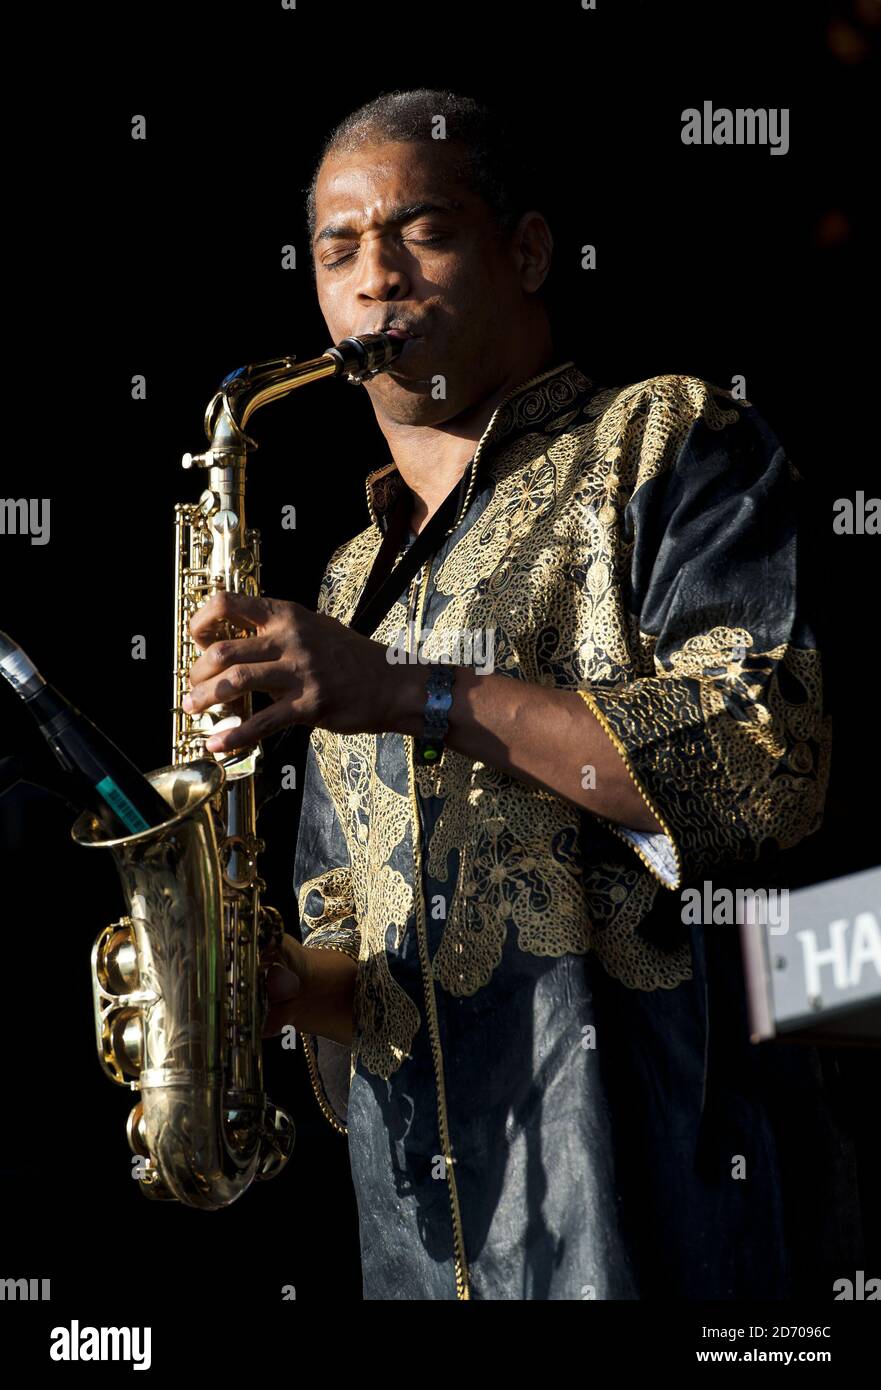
<point x="643" y="426"/>
<point x="619" y="900"/>
<point x="346" y="574"/>
<point x="335" y="890"/>
<point x="375" y="820"/>
<point x="544" y="566"/>
<point x="766" y="756"/>
<point x="516" y="865"/>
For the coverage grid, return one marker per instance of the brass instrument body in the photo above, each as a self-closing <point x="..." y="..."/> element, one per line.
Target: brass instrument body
<point x="177" y="982"/>
<point x="176" y="1007"/>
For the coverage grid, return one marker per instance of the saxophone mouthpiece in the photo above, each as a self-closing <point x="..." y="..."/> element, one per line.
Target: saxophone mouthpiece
<point x="363" y="357"/>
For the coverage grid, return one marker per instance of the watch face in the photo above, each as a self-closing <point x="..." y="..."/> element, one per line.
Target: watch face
<point x="438" y="700"/>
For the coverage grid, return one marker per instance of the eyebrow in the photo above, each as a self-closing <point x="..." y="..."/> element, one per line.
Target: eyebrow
<point x="405" y="212"/>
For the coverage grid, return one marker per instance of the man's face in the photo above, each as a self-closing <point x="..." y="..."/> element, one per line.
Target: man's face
<point x="399" y="240"/>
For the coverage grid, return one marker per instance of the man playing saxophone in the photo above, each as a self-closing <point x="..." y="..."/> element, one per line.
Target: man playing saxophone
<point x="499" y="1000"/>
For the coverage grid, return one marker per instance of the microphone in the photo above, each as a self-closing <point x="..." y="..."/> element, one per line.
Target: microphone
<point x="107" y="782"/>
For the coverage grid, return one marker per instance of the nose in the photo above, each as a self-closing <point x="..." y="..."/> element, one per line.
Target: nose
<point x="382" y="275"/>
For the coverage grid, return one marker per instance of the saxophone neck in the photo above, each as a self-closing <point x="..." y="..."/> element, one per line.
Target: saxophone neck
<point x="248" y="388"/>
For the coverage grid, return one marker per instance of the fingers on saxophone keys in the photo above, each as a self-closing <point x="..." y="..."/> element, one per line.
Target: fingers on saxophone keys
<point x="221" y="658"/>
<point x="204" y="697"/>
<point x="211" y="620"/>
<point x="229" y="690"/>
<point x="218" y="656"/>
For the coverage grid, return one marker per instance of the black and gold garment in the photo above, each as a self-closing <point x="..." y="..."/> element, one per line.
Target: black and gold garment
<point x="536" y="1104"/>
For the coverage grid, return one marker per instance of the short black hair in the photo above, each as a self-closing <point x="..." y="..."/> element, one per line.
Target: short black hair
<point x="499" y="161"/>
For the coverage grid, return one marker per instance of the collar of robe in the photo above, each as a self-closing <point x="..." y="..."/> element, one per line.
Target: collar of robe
<point x="537" y="404"/>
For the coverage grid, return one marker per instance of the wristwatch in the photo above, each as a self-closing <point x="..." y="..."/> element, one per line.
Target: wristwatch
<point x="438" y="702"/>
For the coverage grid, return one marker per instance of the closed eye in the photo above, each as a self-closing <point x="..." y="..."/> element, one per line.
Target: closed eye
<point x="416" y="241"/>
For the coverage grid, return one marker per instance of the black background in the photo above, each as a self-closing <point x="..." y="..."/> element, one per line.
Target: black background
<point x="162" y="257"/>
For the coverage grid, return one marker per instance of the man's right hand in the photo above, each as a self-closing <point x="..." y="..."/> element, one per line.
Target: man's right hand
<point x="311" y="989"/>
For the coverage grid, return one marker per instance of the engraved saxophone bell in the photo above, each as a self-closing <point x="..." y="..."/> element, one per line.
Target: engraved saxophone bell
<point x="167" y="999"/>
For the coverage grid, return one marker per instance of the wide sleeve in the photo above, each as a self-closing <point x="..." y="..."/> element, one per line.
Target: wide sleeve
<point x="323" y="886"/>
<point x="726" y="737"/>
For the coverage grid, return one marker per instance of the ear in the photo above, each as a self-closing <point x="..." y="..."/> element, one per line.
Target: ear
<point x="534" y="247"/>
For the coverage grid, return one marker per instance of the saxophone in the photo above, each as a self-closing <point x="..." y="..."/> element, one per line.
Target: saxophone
<point x="179" y="981"/>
